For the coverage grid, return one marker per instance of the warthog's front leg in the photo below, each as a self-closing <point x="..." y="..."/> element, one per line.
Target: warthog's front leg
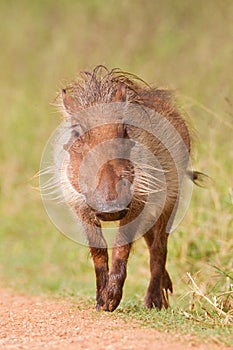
<point x="99" y="253"/>
<point x="100" y="259"/>
<point x="117" y="276"/>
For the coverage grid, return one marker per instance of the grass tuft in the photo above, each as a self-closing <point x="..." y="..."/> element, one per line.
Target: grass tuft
<point x="220" y="304"/>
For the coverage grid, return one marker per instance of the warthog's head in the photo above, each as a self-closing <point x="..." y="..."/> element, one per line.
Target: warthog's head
<point x="100" y="168"/>
<point x="98" y="171"/>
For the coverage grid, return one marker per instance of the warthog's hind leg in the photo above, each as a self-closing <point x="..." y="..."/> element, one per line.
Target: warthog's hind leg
<point x="160" y="282"/>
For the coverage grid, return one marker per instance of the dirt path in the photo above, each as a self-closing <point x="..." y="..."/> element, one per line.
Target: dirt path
<point x="40" y="323"/>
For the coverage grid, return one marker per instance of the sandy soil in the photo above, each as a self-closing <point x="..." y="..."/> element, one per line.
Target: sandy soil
<point x="42" y="323"/>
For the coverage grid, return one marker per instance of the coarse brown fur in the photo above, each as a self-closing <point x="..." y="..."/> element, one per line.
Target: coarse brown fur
<point x="117" y="176"/>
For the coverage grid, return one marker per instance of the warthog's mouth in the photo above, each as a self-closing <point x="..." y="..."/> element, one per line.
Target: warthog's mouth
<point x="112" y="216"/>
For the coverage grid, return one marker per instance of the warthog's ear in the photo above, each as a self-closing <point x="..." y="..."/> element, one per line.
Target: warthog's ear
<point x="69" y="104"/>
<point x="120" y="94"/>
<point x="199" y="179"/>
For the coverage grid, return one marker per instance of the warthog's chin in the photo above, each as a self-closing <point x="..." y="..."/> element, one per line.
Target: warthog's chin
<point x="112" y="216"/>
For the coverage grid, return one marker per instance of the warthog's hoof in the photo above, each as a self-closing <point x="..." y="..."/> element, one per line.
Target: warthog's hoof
<point x="158" y="297"/>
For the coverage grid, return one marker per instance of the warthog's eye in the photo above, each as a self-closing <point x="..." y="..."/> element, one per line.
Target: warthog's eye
<point x="75" y="133"/>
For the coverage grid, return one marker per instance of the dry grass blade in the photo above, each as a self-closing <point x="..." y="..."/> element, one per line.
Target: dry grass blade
<point x="215" y="302"/>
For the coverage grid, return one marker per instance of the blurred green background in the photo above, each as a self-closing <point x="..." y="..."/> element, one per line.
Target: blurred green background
<point x="186" y="45"/>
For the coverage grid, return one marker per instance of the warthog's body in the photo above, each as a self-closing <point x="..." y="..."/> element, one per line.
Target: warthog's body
<point x="124" y="182"/>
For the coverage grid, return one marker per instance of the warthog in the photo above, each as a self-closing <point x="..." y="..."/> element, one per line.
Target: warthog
<point x="128" y="155"/>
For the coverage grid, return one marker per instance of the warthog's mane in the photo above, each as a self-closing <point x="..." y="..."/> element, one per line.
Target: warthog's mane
<point x="101" y="85"/>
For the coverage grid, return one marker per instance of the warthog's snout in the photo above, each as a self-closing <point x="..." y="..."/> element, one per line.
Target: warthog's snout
<point x="113" y="191"/>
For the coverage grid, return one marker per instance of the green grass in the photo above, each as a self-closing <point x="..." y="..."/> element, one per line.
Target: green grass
<point x="185" y="45"/>
<point x="176" y="322"/>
